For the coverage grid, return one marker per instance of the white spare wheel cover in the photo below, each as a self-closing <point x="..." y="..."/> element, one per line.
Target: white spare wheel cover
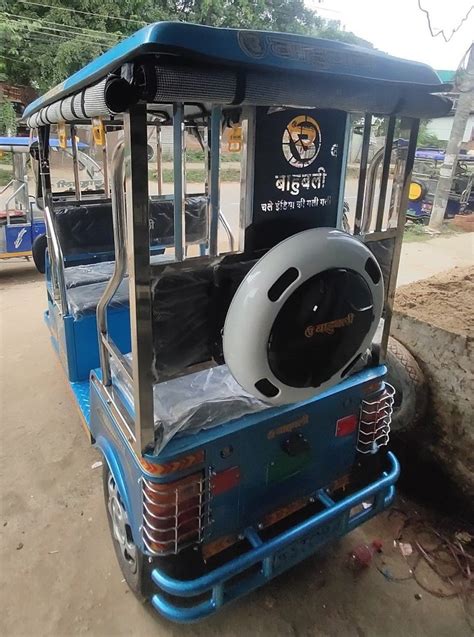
<point x="303" y="315"/>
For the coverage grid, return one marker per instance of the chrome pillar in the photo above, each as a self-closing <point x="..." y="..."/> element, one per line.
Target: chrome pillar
<point x="179" y="182"/>
<point x="364" y="156"/>
<point x="159" y="161"/>
<point x="213" y="159"/>
<point x="138" y="242"/>
<point x="385" y="173"/>
<point x="75" y="163"/>
<point x="54" y="249"/>
<point x="411" y="127"/>
<point x="105" y="167"/>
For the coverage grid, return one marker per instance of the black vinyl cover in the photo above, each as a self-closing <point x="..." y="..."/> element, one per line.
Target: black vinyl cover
<point x="88" y="228"/>
<point x="189" y="310"/>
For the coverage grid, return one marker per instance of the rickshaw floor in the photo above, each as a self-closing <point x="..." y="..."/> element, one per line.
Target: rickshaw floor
<point x="58" y="574"/>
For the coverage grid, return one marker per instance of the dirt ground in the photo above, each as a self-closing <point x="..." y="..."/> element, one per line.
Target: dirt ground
<point x="445" y="300"/>
<point x="58" y="574"/>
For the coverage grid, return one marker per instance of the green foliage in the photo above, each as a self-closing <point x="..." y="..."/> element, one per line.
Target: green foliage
<point x="5" y="176"/>
<point x="42" y="45"/>
<point x="7" y="119"/>
<point x="427" y="139"/>
<point x="198" y="175"/>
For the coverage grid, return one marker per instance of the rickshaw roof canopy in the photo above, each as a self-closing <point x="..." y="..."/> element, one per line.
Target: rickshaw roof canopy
<point x="146" y="59"/>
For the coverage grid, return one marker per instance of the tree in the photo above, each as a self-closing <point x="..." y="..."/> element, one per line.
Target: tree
<point x="45" y="41"/>
<point x="7" y="119"/>
<point x="427" y="139"/>
<point x="464" y="106"/>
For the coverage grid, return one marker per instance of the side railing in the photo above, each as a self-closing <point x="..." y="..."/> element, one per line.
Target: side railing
<point x="57" y="262"/>
<point x="389" y="224"/>
<point x="131" y="222"/>
<point x="106" y="345"/>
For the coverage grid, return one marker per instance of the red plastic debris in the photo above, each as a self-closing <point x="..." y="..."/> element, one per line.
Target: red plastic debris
<point x="361" y="556"/>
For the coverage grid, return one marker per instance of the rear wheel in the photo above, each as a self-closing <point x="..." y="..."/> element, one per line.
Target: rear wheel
<point x="411" y="397"/>
<point x="38" y="252"/>
<point x="130" y="558"/>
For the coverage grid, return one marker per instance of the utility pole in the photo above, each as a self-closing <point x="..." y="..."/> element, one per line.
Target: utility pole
<point x="463" y="108"/>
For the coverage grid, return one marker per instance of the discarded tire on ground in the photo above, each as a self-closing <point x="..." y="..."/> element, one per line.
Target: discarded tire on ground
<point x="411" y="396"/>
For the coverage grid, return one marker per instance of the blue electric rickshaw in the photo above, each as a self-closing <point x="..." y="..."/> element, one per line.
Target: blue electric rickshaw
<point x="21" y="221"/>
<point x="422" y="190"/>
<point x="236" y="388"/>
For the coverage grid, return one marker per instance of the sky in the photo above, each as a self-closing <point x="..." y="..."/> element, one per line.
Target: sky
<point x="398" y="27"/>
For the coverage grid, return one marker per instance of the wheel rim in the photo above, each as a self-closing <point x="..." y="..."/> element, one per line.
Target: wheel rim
<point x="122" y="531"/>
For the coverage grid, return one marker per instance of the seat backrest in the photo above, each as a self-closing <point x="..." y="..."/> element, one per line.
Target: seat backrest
<point x="189" y="310"/>
<point x="88" y="228"/>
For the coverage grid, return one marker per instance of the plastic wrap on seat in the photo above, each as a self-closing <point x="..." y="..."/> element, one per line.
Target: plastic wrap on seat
<point x="83" y="299"/>
<point x="85" y="228"/>
<point x="189" y="404"/>
<point x="88" y="273"/>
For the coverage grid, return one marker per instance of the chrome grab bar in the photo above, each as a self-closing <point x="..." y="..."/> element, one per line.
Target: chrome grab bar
<point x="228" y="231"/>
<point x="7" y="186"/>
<point x="57" y="264"/>
<point x="106" y="347"/>
<point x="370" y="190"/>
<point x="21" y="187"/>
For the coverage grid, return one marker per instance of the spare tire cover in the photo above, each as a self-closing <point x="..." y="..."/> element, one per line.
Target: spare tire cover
<point x="303" y="316"/>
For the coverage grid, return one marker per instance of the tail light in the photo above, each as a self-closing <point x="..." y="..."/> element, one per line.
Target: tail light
<point x="375" y="418"/>
<point x="175" y="514"/>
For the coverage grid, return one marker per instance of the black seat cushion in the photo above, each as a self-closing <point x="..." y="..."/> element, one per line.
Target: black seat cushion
<point x="189" y="307"/>
<point x="88" y="227"/>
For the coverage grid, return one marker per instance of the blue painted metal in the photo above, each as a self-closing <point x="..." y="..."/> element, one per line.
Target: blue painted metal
<point x="247" y="49"/>
<point x="347" y="391"/>
<point x="77" y="338"/>
<point x="303" y="538"/>
<point x="81" y="391"/>
<point x="18" y="237"/>
<point x="25" y="142"/>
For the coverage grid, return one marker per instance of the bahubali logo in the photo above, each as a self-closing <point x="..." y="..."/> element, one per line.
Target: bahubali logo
<point x="301" y="141"/>
<point x="330" y="327"/>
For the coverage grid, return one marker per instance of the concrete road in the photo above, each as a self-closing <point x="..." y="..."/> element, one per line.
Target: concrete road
<point x="58" y="573"/>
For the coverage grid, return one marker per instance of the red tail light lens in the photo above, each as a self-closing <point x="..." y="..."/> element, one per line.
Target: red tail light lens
<point x="346" y="425"/>
<point x="174" y="514"/>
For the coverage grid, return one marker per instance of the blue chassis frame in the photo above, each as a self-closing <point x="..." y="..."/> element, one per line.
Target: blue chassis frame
<point x="275" y="555"/>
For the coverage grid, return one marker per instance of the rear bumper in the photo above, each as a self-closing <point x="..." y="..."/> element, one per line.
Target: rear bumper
<point x="275" y="555"/>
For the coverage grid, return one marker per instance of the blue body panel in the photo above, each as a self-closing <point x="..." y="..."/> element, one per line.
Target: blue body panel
<point x="25" y="142"/>
<point x="19" y="237"/>
<point x="76" y="339"/>
<point x="243" y="507"/>
<point x="237" y="47"/>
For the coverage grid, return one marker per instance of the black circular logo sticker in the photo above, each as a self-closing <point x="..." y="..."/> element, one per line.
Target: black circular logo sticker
<point x="301" y="141"/>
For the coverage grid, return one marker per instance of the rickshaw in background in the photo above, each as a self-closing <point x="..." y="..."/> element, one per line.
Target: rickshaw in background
<point x="231" y="375"/>
<point x="22" y="226"/>
<point x="425" y="179"/>
<point x="21" y="221"/>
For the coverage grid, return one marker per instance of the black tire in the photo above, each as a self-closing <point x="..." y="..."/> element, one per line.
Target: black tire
<point x="135" y="574"/>
<point x="38" y="251"/>
<point x="411" y="397"/>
